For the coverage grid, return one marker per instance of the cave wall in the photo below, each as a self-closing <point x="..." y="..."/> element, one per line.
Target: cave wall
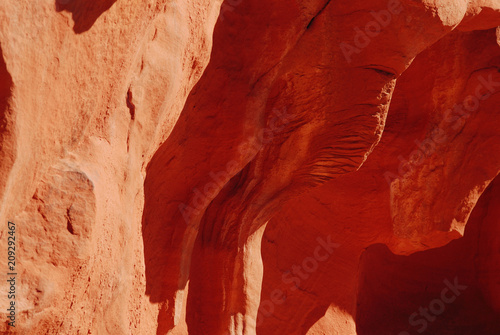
<point x="251" y="167"/>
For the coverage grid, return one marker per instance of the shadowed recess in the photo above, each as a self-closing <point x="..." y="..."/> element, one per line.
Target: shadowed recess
<point x="84" y="12"/>
<point x="5" y="89"/>
<point x="393" y="288"/>
<point x="7" y="147"/>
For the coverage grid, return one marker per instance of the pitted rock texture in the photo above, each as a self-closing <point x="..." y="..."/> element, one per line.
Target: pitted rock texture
<point x="252" y="167"/>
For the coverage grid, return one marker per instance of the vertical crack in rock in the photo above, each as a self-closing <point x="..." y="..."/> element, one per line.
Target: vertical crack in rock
<point x="69" y="224"/>
<point x="130" y="104"/>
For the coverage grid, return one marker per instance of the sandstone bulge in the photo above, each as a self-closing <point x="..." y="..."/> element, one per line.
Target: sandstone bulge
<point x="250" y="167"/>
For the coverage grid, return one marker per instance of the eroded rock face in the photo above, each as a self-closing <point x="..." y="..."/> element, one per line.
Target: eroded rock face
<point x="89" y="89"/>
<point x="329" y="159"/>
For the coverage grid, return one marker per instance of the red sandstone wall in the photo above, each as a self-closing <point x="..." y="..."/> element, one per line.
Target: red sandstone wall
<point x="251" y="167"/>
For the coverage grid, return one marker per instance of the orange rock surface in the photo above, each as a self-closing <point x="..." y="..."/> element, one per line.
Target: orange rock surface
<point x="251" y="167"/>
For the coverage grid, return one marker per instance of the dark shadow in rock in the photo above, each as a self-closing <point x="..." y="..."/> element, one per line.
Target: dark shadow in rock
<point x="7" y="141"/>
<point x="5" y="89"/>
<point x="392" y="288"/>
<point x="85" y="12"/>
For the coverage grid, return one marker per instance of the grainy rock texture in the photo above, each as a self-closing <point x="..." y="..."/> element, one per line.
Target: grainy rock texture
<point x="251" y="167"/>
